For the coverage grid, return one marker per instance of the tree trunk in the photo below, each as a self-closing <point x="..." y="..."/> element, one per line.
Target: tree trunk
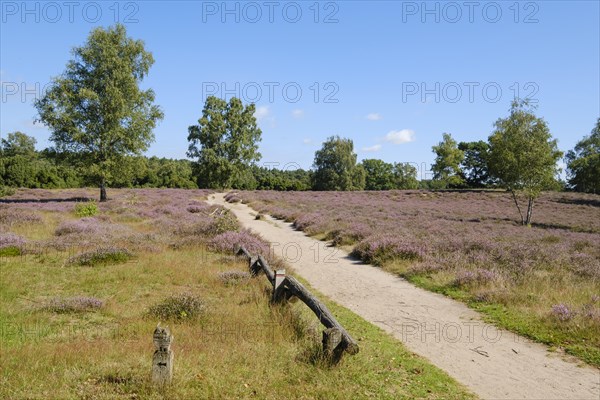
<point x="514" y="195"/>
<point x="103" y="191"/>
<point x="529" y="211"/>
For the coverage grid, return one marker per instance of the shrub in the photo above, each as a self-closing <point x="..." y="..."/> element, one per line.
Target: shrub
<point x="223" y="223"/>
<point x="6" y="191"/>
<point x="181" y="307"/>
<point x="11" y="245"/>
<point x="467" y="277"/>
<point x="103" y="256"/>
<point x="233" y="277"/>
<point x="562" y="312"/>
<point x="230" y="242"/>
<point x="88" y="209"/>
<point x="86" y="225"/>
<point x="377" y="250"/>
<point x="72" y="304"/>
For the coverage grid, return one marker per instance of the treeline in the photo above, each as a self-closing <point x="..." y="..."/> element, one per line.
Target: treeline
<point x="22" y="166"/>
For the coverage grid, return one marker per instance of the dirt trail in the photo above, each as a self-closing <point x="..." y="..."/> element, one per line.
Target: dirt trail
<point x="493" y="363"/>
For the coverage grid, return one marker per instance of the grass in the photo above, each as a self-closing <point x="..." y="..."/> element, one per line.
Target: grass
<point x="237" y="346"/>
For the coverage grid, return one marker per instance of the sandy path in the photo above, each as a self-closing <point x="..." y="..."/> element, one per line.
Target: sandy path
<point x="493" y="363"/>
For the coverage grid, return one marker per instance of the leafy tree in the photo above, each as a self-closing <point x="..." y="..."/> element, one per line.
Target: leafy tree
<point x="523" y="155"/>
<point x="379" y="175"/>
<point x="225" y="143"/>
<point x="335" y="166"/>
<point x="405" y="176"/>
<point x="96" y="109"/>
<point x="583" y="163"/>
<point x="17" y="144"/>
<point x="474" y="168"/>
<point x="446" y="167"/>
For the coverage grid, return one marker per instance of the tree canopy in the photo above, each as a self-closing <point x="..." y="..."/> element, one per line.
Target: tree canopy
<point x="225" y="143"/>
<point x="523" y="156"/>
<point x="446" y="168"/>
<point x="474" y="167"/>
<point x="96" y="110"/>
<point x="583" y="163"/>
<point x="335" y="166"/>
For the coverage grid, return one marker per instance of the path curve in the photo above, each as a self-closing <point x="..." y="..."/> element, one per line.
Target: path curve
<point x="493" y="363"/>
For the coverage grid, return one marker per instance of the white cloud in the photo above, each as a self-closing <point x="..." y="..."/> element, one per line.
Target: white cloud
<point x="371" y="149"/>
<point x="400" y="137"/>
<point x="374" y="117"/>
<point x="262" y="112"/>
<point x="298" y="113"/>
<point x="307" y="141"/>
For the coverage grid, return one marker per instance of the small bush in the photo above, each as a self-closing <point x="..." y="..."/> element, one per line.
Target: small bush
<point x="6" y="191"/>
<point x="88" y="209"/>
<point x="233" y="277"/>
<point x="72" y="304"/>
<point x="229" y="242"/>
<point x="377" y="250"/>
<point x="104" y="256"/>
<point x="563" y="312"/>
<point x="10" y="251"/>
<point x="86" y="225"/>
<point x="11" y="245"/>
<point x="181" y="307"/>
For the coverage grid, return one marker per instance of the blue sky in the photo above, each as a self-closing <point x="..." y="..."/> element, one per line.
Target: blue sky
<point x="392" y="76"/>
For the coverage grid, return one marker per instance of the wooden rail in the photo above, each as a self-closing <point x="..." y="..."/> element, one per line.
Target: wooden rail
<point x="336" y="340"/>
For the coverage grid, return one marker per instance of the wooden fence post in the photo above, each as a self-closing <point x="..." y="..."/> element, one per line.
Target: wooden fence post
<point x="278" y="286"/>
<point x="333" y="348"/>
<point x="162" y="361"/>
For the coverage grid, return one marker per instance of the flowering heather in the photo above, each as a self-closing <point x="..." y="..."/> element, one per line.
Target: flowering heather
<point x="10" y="216"/>
<point x="233" y="277"/>
<point x="230" y="241"/>
<point x="181" y="307"/>
<point x="83" y="226"/>
<point x="480" y="276"/>
<point x="562" y="312"/>
<point x="378" y="249"/>
<point x="11" y="240"/>
<point x="72" y="304"/>
<point x="101" y="256"/>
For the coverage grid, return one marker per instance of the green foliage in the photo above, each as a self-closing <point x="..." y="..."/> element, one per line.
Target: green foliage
<point x="225" y="144"/>
<point x="181" y="307"/>
<point x="583" y="163"/>
<point x="405" y="176"/>
<point x="379" y="174"/>
<point x="446" y="167"/>
<point x="6" y="191"/>
<point x="385" y="176"/>
<point x="335" y="166"/>
<point x="10" y="251"/>
<point x="88" y="209"/>
<point x="523" y="156"/>
<point x="96" y="110"/>
<point x="474" y="167"/>
<point x="284" y="180"/>
<point x="17" y="143"/>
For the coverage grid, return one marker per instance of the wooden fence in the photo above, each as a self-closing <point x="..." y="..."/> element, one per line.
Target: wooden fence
<point x="336" y="340"/>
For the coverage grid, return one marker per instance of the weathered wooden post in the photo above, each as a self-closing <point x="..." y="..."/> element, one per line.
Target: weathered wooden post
<point x="278" y="286"/>
<point x="162" y="361"/>
<point x="333" y="347"/>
